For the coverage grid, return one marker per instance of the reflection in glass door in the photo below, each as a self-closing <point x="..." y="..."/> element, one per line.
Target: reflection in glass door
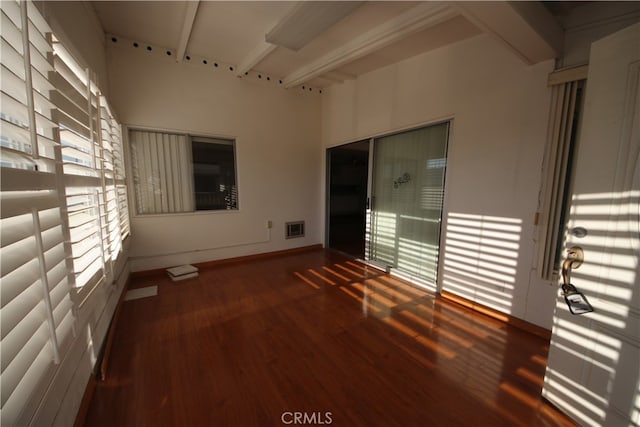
<point x="407" y="195"/>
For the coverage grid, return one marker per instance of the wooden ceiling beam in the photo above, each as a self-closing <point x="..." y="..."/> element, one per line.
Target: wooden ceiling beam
<point x="528" y="29"/>
<point x="418" y="18"/>
<point x="257" y="54"/>
<point x="187" y="26"/>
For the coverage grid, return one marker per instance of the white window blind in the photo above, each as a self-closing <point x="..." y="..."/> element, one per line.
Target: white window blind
<point x="563" y="124"/>
<point x="63" y="214"/>
<point x="162" y="172"/>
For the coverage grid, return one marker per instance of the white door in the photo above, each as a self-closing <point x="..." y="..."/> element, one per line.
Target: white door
<point x="594" y="358"/>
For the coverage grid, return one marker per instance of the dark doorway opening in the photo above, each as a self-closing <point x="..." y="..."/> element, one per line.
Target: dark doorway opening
<point x="347" y="202"/>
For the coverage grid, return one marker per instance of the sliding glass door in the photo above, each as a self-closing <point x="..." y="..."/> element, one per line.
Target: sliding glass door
<point x="407" y="195"/>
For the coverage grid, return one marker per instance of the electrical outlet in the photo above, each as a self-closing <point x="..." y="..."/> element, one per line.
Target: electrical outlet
<point x="269" y="224"/>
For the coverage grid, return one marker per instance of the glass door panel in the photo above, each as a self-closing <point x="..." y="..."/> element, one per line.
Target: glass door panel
<point x="407" y="195"/>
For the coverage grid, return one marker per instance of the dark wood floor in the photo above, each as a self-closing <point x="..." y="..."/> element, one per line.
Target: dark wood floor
<point x="316" y="333"/>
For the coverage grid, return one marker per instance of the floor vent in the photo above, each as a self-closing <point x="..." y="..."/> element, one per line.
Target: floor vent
<point x="182" y="272"/>
<point x="294" y="229"/>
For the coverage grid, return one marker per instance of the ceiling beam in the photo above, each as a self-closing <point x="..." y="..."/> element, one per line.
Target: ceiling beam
<point x="336" y="77"/>
<point x="418" y="18"/>
<point x="528" y="29"/>
<point x="187" y="26"/>
<point x="308" y="20"/>
<point x="257" y="54"/>
<point x="339" y="75"/>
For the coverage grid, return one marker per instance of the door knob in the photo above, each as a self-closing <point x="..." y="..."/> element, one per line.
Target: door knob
<point x="575" y="258"/>
<point x="576" y="301"/>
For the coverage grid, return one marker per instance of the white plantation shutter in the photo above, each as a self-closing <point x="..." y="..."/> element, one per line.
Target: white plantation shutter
<point x="16" y="138"/>
<point x="85" y="235"/>
<point x="94" y="168"/>
<point x="41" y="67"/>
<point x="72" y="99"/>
<point x="112" y="130"/>
<point x="27" y="349"/>
<point x="36" y="310"/>
<point x="75" y="104"/>
<point x="114" y="174"/>
<point x="28" y="132"/>
<point x="60" y="223"/>
<point x="36" y="316"/>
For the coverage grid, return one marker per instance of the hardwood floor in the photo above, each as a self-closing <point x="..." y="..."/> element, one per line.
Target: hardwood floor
<point x="313" y="333"/>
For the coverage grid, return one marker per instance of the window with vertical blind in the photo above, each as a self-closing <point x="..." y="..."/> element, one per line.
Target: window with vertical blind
<point x="174" y="173"/>
<point x="64" y="208"/>
<point x="563" y="125"/>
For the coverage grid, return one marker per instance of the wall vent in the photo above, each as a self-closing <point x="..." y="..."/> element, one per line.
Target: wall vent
<point x="294" y="229"/>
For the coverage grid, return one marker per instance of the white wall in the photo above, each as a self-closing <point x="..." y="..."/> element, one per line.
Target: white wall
<point x="500" y="109"/>
<point x="278" y="152"/>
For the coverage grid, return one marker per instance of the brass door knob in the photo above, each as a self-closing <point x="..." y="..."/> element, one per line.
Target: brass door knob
<point x="575" y="258"/>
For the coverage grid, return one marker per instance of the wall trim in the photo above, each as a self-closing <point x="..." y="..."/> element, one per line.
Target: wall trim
<point x="224" y="261"/>
<point x="498" y="315"/>
<point x="108" y="344"/>
<point x="85" y="403"/>
<point x="395" y="130"/>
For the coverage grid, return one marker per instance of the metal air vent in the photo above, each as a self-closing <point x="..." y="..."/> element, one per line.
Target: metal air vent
<point x="294" y="229"/>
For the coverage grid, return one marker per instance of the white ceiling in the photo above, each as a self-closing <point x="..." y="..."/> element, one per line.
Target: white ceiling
<point x="371" y="35"/>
